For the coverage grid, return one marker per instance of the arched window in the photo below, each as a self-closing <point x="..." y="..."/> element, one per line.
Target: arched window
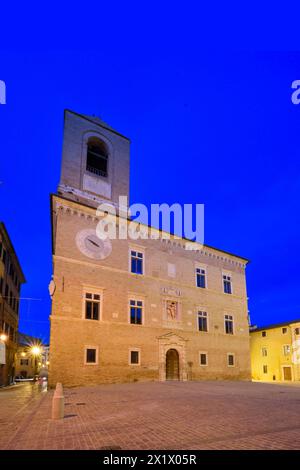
<point x="97" y="157"/>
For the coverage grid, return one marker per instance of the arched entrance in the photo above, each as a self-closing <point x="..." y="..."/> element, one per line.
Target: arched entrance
<point x="172" y="365"/>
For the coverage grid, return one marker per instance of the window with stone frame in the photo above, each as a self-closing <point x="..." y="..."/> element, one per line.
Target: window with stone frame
<point x="201" y="278"/>
<point x="227" y="284"/>
<point x="229" y="324"/>
<point x="134" y="357"/>
<point x="203" y="359"/>
<point x="92" y="306"/>
<point x="91" y="355"/>
<point x="136" y="311"/>
<point x="230" y="360"/>
<point x="137" y="262"/>
<point x="202" y="321"/>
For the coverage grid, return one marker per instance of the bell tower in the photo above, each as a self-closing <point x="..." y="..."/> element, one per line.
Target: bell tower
<point x="95" y="161"/>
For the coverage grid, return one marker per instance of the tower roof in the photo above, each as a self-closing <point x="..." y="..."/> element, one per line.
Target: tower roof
<point x="97" y="120"/>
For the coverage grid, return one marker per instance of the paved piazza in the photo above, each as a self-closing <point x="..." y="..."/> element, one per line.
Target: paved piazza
<point x="170" y="415"/>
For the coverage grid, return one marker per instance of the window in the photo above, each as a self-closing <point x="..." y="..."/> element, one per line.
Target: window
<point x="92" y="306"/>
<point x="136" y="312"/>
<point x="202" y="321"/>
<point x="24" y="362"/>
<point x="134" y="357"/>
<point x="201" y="278"/>
<point x="264" y="334"/>
<point x="136" y="262"/>
<point x="91" y="355"/>
<point x="229" y="324"/>
<point x="264" y="352"/>
<point x="230" y="360"/>
<point x="297" y="331"/>
<point x="227" y="284"/>
<point x="97" y="158"/>
<point x="286" y="349"/>
<point x="265" y="369"/>
<point x="203" y="359"/>
<point x="284" y="331"/>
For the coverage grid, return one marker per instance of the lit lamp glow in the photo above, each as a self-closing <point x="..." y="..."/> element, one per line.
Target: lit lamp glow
<point x="36" y="350"/>
<point x="3" y="337"/>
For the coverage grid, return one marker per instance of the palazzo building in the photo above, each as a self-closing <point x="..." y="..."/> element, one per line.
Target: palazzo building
<point x="128" y="310"/>
<point x="275" y="352"/>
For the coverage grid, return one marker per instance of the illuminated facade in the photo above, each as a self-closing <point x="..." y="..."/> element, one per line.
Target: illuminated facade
<point x="126" y="310"/>
<point x="275" y="352"/>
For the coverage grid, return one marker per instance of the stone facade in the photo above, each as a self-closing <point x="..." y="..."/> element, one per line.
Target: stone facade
<point x="123" y="351"/>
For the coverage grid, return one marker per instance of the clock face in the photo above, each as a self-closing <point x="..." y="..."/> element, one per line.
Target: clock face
<point x="91" y="246"/>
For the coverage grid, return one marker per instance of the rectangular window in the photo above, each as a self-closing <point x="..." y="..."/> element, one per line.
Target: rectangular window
<point x="286" y="350"/>
<point x="264" y="352"/>
<point x="201" y="278"/>
<point x="92" y="306"/>
<point x="265" y="369"/>
<point x="136" y="312"/>
<point x="91" y="355"/>
<point x="297" y="331"/>
<point x="229" y="324"/>
<point x="137" y="259"/>
<point x="202" y="321"/>
<point x="134" y="357"/>
<point x="284" y="331"/>
<point x="203" y="359"/>
<point x="230" y="360"/>
<point x="24" y="362"/>
<point x="227" y="284"/>
<point x="264" y="334"/>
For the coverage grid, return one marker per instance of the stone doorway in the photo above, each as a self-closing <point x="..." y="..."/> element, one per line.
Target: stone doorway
<point x="172" y="365"/>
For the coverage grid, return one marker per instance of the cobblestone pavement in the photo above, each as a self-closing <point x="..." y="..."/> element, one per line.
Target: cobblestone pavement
<point x="170" y="415"/>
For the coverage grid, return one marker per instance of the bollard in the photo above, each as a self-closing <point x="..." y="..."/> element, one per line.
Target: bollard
<point x="58" y="402"/>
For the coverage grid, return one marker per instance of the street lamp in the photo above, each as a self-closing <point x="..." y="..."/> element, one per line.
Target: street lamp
<point x="36" y="350"/>
<point x="3" y="337"/>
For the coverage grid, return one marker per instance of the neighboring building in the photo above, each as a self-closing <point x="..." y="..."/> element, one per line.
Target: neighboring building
<point x="11" y="278"/>
<point x="32" y="357"/>
<point x="125" y="310"/>
<point x="275" y="352"/>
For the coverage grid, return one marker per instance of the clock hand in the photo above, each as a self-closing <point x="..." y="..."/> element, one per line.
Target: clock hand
<point x="94" y="243"/>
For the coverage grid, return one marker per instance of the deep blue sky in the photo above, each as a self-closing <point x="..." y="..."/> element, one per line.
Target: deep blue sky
<point x="209" y="127"/>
